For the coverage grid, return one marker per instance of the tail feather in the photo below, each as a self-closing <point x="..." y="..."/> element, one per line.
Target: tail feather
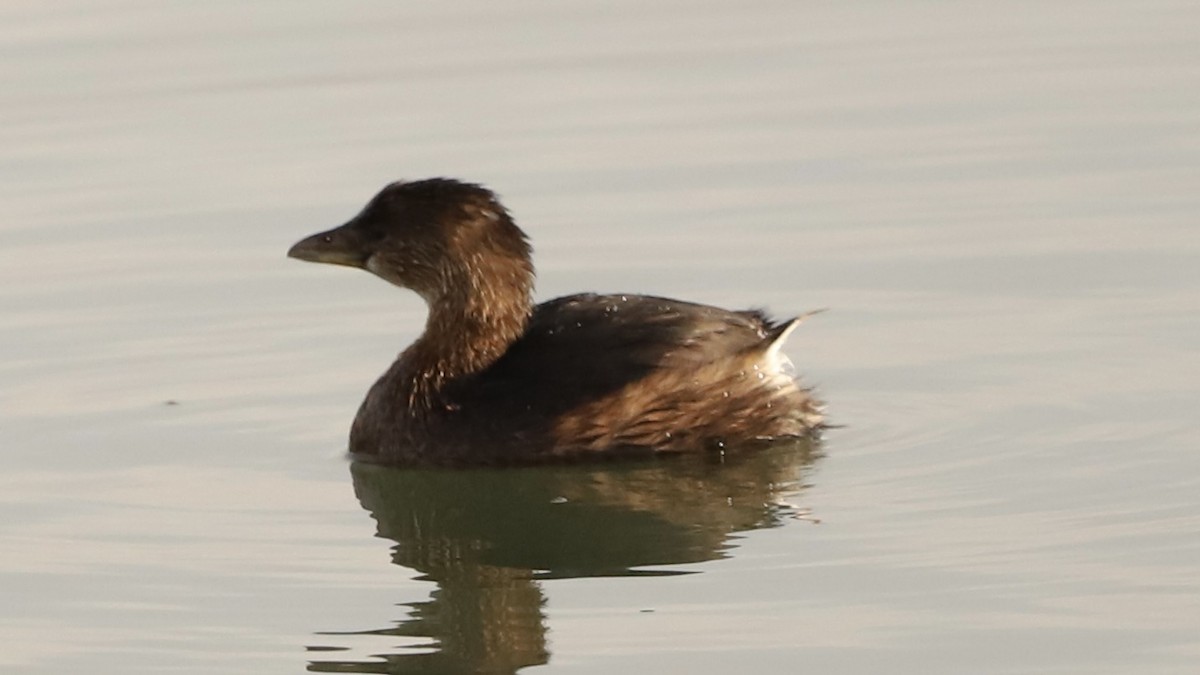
<point x="778" y="334"/>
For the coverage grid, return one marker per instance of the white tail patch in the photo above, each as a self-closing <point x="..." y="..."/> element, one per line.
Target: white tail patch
<point x="774" y="359"/>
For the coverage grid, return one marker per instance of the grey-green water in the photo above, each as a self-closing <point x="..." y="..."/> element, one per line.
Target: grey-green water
<point x="998" y="202"/>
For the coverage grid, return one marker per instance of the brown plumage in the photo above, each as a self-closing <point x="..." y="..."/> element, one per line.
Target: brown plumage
<point x="497" y="379"/>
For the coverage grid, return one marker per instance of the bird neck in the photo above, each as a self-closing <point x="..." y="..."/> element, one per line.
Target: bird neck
<point x="480" y="313"/>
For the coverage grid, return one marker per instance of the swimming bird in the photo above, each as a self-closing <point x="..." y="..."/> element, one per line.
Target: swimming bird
<point x="497" y="379"/>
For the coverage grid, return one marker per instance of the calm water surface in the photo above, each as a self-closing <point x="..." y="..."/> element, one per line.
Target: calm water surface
<point x="998" y="202"/>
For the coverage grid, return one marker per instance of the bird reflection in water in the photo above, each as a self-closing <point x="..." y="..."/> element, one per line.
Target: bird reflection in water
<point x="488" y="537"/>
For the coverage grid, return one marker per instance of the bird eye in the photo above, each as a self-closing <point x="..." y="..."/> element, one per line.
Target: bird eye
<point x="328" y="239"/>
